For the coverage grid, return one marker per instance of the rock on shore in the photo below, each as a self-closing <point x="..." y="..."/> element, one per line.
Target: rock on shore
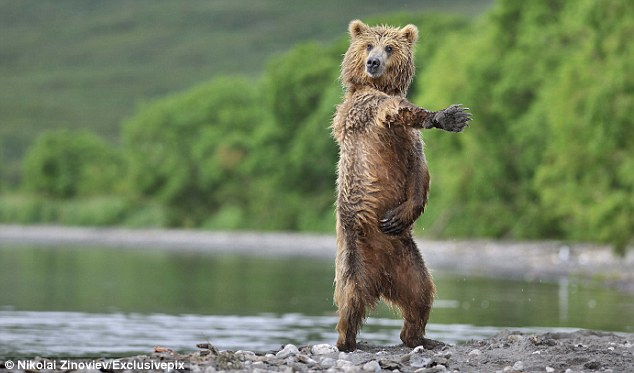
<point x="581" y="351"/>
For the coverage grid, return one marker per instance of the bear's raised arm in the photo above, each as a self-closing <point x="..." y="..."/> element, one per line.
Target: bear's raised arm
<point x="454" y="118"/>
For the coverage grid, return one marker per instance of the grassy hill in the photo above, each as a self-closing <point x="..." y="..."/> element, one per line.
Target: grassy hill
<point x="88" y="63"/>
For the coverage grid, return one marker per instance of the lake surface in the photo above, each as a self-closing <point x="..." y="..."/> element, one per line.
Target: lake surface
<point x="92" y="301"/>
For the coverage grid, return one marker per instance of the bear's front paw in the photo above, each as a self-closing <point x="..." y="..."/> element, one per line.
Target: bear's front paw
<point x="391" y="224"/>
<point x="454" y="118"/>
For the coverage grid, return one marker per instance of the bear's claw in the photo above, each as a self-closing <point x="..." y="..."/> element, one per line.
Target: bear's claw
<point x="392" y="226"/>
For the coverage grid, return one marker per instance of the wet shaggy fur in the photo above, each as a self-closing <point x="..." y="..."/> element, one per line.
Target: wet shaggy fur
<point x="383" y="182"/>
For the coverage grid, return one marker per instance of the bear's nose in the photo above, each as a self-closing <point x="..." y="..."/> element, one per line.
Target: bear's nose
<point x="373" y="63"/>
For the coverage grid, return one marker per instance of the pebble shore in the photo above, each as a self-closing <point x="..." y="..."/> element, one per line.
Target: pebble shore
<point x="581" y="351"/>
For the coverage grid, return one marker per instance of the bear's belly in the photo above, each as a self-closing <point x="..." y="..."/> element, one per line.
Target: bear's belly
<point x="375" y="167"/>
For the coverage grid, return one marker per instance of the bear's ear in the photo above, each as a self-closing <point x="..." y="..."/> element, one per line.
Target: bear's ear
<point x="357" y="28"/>
<point x="410" y="32"/>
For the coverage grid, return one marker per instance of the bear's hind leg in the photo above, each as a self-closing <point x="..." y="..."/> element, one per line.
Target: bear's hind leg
<point x="354" y="295"/>
<point x="352" y="305"/>
<point x="412" y="290"/>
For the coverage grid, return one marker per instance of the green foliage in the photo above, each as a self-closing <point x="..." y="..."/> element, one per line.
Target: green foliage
<point x="81" y="211"/>
<point x="237" y="154"/>
<point x="94" y="211"/>
<point x="25" y="209"/>
<point x="586" y="180"/>
<point x="188" y="151"/>
<point x="549" y="84"/>
<point x="293" y="157"/>
<point x="87" y="64"/>
<point x="67" y="164"/>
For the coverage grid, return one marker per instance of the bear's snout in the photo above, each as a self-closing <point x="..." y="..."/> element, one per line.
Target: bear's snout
<point x="373" y="63"/>
<point x="374" y="66"/>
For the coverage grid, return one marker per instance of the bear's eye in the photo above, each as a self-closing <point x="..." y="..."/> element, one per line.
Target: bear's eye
<point x="369" y="47"/>
<point x="388" y="49"/>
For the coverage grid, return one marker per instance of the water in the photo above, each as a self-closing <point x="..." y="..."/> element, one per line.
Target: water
<point x="92" y="301"/>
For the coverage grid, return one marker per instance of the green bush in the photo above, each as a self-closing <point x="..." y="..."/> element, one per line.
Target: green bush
<point x="82" y="211"/>
<point x="65" y="164"/>
<point x="94" y="211"/>
<point x="188" y="151"/>
<point x="293" y="158"/>
<point x="24" y="209"/>
<point x="586" y="183"/>
<point x="546" y="155"/>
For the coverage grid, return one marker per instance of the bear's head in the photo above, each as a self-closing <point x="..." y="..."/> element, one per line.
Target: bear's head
<point x="380" y="57"/>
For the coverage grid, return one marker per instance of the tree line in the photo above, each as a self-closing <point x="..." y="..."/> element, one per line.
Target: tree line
<point x="549" y="153"/>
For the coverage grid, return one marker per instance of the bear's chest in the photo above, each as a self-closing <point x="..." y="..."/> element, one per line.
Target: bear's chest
<point x="382" y="151"/>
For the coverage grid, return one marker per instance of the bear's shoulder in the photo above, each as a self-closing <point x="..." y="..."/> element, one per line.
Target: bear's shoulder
<point x="364" y="109"/>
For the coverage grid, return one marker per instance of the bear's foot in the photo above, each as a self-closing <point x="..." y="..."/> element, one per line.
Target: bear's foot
<point x="428" y="344"/>
<point x="346" y="345"/>
<point x="432" y="344"/>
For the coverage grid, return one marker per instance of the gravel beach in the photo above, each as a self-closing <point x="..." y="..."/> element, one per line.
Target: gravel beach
<point x="581" y="351"/>
<point x="509" y="351"/>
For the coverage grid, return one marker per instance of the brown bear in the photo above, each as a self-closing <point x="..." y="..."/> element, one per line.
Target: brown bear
<point x="382" y="182"/>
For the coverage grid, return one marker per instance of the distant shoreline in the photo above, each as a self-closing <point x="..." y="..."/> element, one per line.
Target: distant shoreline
<point x="244" y="243"/>
<point x="528" y="260"/>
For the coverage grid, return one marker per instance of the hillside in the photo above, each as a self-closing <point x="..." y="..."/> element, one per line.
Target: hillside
<point x="88" y="64"/>
<point x="546" y="157"/>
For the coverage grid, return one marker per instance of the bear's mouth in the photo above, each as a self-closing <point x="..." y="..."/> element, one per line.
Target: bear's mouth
<point x="374" y="72"/>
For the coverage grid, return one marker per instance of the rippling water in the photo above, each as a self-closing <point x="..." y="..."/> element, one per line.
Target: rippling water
<point x="28" y="334"/>
<point x="95" y="301"/>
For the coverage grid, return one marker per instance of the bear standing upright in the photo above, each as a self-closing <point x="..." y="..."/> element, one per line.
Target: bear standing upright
<point x="382" y="182"/>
